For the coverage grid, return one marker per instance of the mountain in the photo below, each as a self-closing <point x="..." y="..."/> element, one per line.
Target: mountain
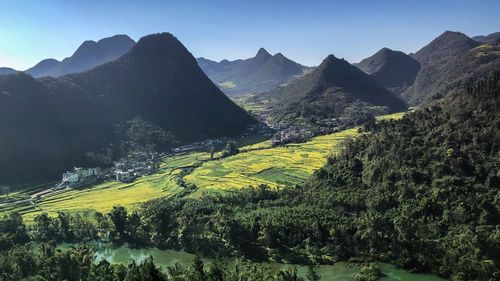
<point x="421" y="186"/>
<point x="393" y="69"/>
<point x="89" y="55"/>
<point x="7" y="70"/>
<point x="488" y="38"/>
<point x="448" y="44"/>
<point x="43" y="68"/>
<point x="448" y="62"/>
<point x="254" y="75"/>
<point x="52" y="124"/>
<point x="332" y="90"/>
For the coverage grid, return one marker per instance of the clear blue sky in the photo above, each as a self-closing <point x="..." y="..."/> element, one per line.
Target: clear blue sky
<point x="306" y="31"/>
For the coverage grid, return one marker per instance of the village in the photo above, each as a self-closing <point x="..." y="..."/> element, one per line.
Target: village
<point x="140" y="163"/>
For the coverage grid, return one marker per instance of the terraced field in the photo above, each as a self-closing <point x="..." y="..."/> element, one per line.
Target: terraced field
<point x="104" y="196"/>
<point x="257" y="164"/>
<point x="277" y="166"/>
<point x="395" y="116"/>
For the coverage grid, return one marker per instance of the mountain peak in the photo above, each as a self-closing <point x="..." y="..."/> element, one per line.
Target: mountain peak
<point x="117" y="37"/>
<point x="449" y="43"/>
<point x="159" y="44"/>
<point x="453" y="35"/>
<point x="336" y="83"/>
<point x="88" y="55"/>
<point x="42" y="67"/>
<point x="393" y="69"/>
<point x="332" y="60"/>
<point x="7" y="70"/>
<point x="252" y="75"/>
<point x="85" y="46"/>
<point x="262" y="53"/>
<point x="157" y="37"/>
<point x="385" y="50"/>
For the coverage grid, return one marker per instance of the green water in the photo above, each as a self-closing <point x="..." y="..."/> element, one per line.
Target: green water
<point x="341" y="271"/>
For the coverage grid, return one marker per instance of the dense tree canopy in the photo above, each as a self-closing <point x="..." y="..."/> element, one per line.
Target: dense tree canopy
<point x="422" y="193"/>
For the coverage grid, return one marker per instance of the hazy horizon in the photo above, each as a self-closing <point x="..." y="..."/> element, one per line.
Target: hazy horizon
<point x="304" y="32"/>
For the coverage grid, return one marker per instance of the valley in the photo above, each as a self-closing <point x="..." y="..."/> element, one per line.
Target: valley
<point x="256" y="164"/>
<point x="373" y="157"/>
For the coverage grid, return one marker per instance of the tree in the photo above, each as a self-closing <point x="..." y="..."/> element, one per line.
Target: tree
<point x="231" y="149"/>
<point x="312" y="274"/>
<point x="118" y="216"/>
<point x="197" y="271"/>
<point x="44" y="229"/>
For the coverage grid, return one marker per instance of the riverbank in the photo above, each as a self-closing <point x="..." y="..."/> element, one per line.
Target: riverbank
<point x="340" y="271"/>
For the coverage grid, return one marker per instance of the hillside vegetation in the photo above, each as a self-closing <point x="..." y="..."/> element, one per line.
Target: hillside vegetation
<point x="450" y="62"/>
<point x="421" y="192"/>
<point x="50" y="125"/>
<point x="394" y="70"/>
<point x="335" y="94"/>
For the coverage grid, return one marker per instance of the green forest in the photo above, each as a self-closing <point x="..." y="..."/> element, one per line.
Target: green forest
<point x="421" y="192"/>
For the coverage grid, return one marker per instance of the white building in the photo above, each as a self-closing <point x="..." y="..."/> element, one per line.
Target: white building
<point x="70" y="177"/>
<point x="80" y="175"/>
<point x="124" y="176"/>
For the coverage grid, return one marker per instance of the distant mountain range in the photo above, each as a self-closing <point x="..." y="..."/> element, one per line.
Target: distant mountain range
<point x="254" y="75"/>
<point x="89" y="55"/>
<point x="449" y="62"/>
<point x="334" y="90"/>
<point x="393" y="69"/>
<point x="444" y="65"/>
<point x="7" y="70"/>
<point x="488" y="38"/>
<point x="52" y="124"/>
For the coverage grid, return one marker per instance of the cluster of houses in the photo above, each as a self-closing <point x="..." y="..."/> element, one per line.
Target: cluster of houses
<point x="291" y="135"/>
<point x="135" y="165"/>
<point x="81" y="176"/>
<point x="141" y="163"/>
<point x="125" y="170"/>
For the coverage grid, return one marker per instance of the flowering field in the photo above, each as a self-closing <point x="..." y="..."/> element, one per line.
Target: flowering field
<point x="257" y="164"/>
<point x="288" y="165"/>
<point x="103" y="197"/>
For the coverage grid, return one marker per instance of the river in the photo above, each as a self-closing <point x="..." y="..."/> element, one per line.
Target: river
<point x="341" y="271"/>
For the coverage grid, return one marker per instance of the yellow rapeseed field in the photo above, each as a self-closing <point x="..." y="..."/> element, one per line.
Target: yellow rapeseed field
<point x="256" y="164"/>
<point x="103" y="197"/>
<point x="277" y="166"/>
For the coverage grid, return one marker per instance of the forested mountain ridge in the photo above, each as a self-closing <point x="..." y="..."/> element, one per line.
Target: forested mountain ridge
<point x="449" y="62"/>
<point x="425" y="189"/>
<point x="421" y="192"/>
<point x="254" y="75"/>
<point x="394" y="70"/>
<point x="66" y="121"/>
<point x="334" y="89"/>
<point x="89" y="55"/>
<point x="449" y="43"/>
